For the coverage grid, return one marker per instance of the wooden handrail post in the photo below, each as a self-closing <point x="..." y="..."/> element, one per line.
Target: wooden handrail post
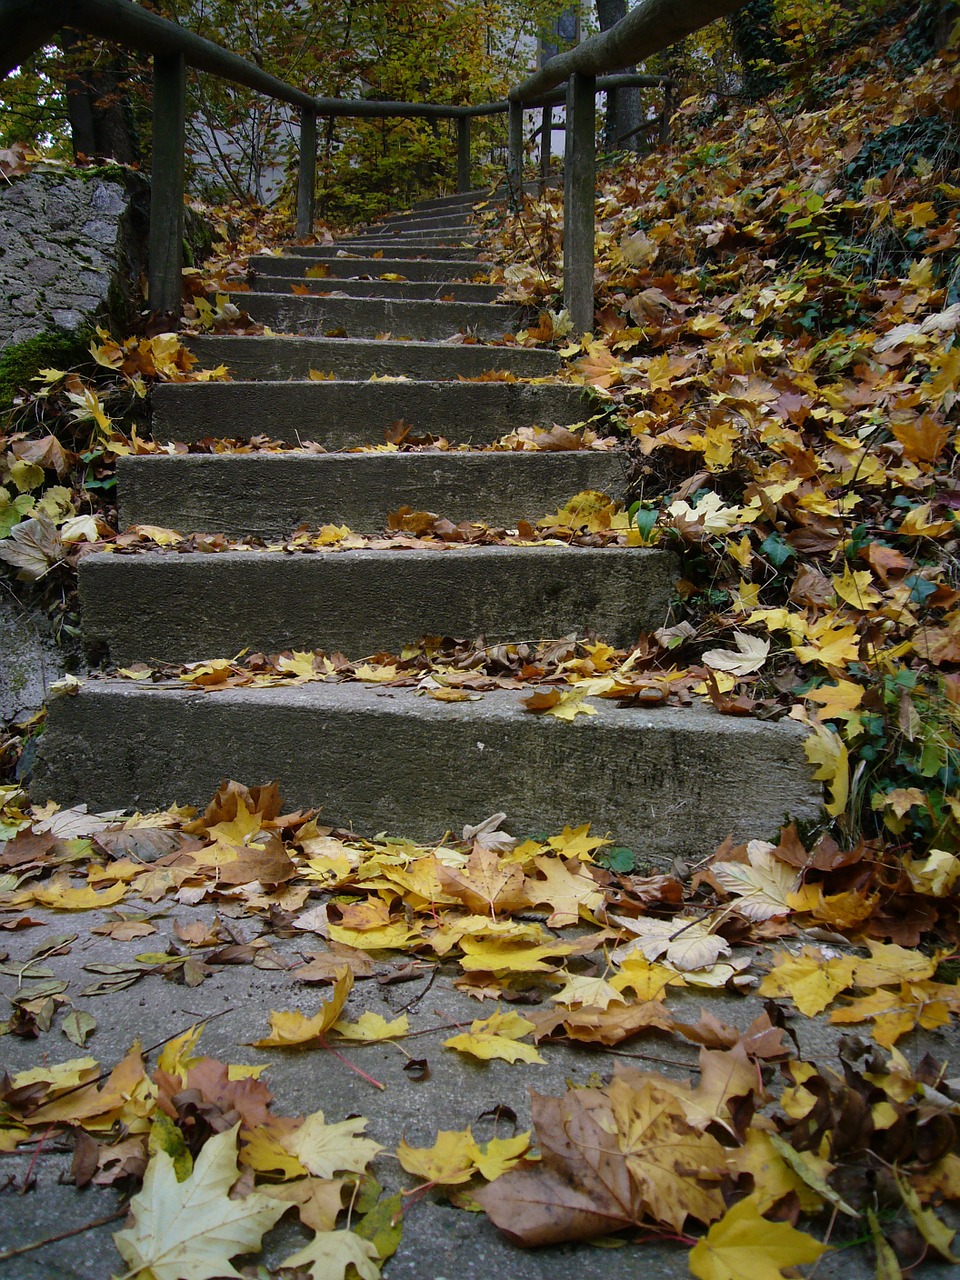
<point x="463" y="153"/>
<point x="166" y="189"/>
<point x="307" y="177"/>
<point x="515" y="150"/>
<point x="666" y="114"/>
<point x="579" y="199"/>
<point x="546" y="139"/>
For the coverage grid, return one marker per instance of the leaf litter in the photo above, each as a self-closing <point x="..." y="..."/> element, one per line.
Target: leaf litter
<point x="793" y="421"/>
<point x="508" y="921"/>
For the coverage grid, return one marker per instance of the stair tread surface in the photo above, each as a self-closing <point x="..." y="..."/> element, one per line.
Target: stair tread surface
<point x="293" y="356"/>
<point x="414" y="290"/>
<point x="368" y="317"/>
<point x="668" y="783"/>
<point x="427" y="268"/>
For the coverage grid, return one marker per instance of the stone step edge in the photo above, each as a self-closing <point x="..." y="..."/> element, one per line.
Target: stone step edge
<point x="363" y="755"/>
<point x="191" y="605"/>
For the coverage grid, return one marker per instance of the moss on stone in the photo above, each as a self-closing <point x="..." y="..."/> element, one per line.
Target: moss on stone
<point x="20" y="362"/>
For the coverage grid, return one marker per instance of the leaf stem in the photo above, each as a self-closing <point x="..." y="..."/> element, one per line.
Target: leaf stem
<point x="377" y="1084"/>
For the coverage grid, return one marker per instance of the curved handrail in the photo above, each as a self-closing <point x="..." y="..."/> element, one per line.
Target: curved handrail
<point x="651" y="26"/>
<point x="647" y="29"/>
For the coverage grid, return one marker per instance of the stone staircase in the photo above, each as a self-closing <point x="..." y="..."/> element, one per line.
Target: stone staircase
<point x="665" y="782"/>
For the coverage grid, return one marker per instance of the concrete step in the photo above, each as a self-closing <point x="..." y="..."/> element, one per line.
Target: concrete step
<point x="452" y="219"/>
<point x="368" y="317"/>
<point x="440" y="269"/>
<point x="186" y="607"/>
<point x="412" y="290"/>
<point x="666" y="783"/>
<point x="345" y="414"/>
<point x="280" y="357"/>
<point x="457" y="237"/>
<point x="461" y="248"/>
<point x="389" y="249"/>
<point x="458" y="200"/>
<point x="270" y="494"/>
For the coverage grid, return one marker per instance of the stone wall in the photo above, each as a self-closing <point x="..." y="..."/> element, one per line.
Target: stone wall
<point x="72" y="249"/>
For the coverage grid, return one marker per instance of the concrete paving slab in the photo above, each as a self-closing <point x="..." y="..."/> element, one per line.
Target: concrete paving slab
<point x="341" y="414"/>
<point x="439" y="1241"/>
<point x="267" y="494"/>
<point x="186" y="607"/>
<point x="663" y="782"/>
<point x="290" y="356"/>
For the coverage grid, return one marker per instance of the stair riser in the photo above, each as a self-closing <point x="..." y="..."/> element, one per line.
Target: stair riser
<point x="182" y="608"/>
<point x="439" y="227"/>
<point x="452" y="217"/>
<point x="665" y="783"/>
<point x="410" y="290"/>
<point x="466" y="201"/>
<point x="389" y="249"/>
<point x="449" y="247"/>
<point x="368" y="317"/>
<point x="346" y="268"/>
<point x="346" y="415"/>
<point x="269" y="495"/>
<point x="294" y="357"/>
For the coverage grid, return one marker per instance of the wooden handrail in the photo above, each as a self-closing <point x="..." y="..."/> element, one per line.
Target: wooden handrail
<point x="653" y="25"/>
<point x="25" y="25"/>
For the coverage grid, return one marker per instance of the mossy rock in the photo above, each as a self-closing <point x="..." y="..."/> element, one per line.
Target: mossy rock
<point x="52" y="350"/>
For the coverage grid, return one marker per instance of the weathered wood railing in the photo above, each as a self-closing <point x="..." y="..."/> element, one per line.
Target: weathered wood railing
<point x="653" y="25"/>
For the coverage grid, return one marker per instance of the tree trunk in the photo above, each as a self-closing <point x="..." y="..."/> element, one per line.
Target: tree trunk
<point x="98" y="105"/>
<point x="624" y="106"/>
<point x="759" y="47"/>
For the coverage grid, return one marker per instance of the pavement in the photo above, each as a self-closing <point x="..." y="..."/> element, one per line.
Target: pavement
<point x="439" y="1242"/>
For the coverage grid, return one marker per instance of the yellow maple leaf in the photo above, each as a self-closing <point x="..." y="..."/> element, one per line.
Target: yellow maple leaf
<point x="263" y="1151"/>
<point x="894" y="1013"/>
<point x="451" y="1159"/>
<point x="809" y="980"/>
<point x="825" y="748"/>
<point x="889" y="965"/>
<point x="830" y="642"/>
<point x="772" y="1177"/>
<point x="497" y="1037"/>
<point x="676" y="1167"/>
<point x="744" y="1244"/>
<point x="837" y="701"/>
<point x="645" y="978"/>
<point x="497" y="1156"/>
<point x="504" y="955"/>
<point x="576" y="842"/>
<point x="918" y="522"/>
<point x="570" y="704"/>
<point x="207" y="673"/>
<point x="330" y="1253"/>
<point x="59" y="895"/>
<point x="856" y="588"/>
<point x="565" y="889"/>
<point x="190" y="1229"/>
<point x="373" y="1026"/>
<point x="579" y="989"/>
<point x="294" y="1030"/>
<point x="393" y="936"/>
<point x="325" y="1149"/>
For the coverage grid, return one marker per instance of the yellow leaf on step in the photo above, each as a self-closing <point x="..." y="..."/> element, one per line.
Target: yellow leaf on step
<point x="293" y="1030"/>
